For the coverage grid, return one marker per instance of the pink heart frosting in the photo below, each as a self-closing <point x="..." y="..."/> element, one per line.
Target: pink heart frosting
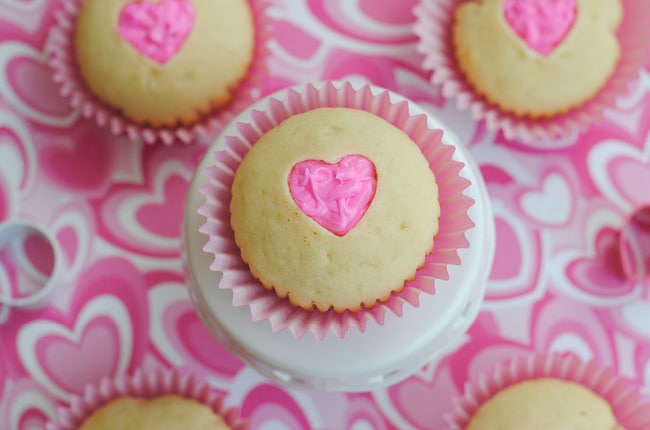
<point x="335" y="195"/>
<point x="156" y="30"/>
<point x="542" y="24"/>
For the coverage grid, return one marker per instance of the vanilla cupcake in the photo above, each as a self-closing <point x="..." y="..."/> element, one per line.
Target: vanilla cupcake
<point x="169" y="412"/>
<point x="538" y="70"/>
<point x="537" y="62"/>
<point x="156" y="400"/>
<point x="545" y="403"/>
<point x="159" y="70"/>
<point x="554" y="392"/>
<point x="334" y="208"/>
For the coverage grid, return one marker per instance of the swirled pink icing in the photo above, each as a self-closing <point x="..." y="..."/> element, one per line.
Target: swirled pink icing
<point x="542" y="24"/>
<point x="335" y="195"/>
<point x="156" y="30"/>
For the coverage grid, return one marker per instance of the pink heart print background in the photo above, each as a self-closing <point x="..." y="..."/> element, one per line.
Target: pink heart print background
<point x="116" y="209"/>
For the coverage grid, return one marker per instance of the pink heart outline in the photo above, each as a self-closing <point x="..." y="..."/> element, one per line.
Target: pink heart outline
<point x="551" y="203"/>
<point x="156" y="30"/>
<point x="197" y="341"/>
<point x="519" y="259"/>
<point x="590" y="270"/>
<point x="161" y="213"/>
<point x="71" y="162"/>
<point x="265" y="400"/>
<point x="29" y="89"/>
<point x="617" y="168"/>
<point x="626" y="174"/>
<point x="335" y="195"/>
<point x="104" y="312"/>
<point x="557" y="319"/>
<point x="127" y="216"/>
<point x="541" y="24"/>
<point x="181" y="339"/>
<point x="61" y="352"/>
<point x="296" y="41"/>
<point x="30" y="81"/>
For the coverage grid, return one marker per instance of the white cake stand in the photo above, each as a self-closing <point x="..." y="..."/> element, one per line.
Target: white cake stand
<point x="383" y="354"/>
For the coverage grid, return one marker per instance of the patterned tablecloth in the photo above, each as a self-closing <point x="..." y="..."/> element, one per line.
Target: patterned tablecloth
<point x="116" y="209"/>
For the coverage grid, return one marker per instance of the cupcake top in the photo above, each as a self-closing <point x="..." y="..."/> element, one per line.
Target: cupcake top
<point x="544" y="404"/>
<point x="334" y="208"/>
<point x="170" y="412"/>
<point x="537" y="58"/>
<point x="164" y="62"/>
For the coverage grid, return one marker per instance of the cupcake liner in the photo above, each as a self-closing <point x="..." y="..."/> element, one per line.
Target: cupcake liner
<point x="60" y="52"/>
<point x="627" y="404"/>
<point x="434" y="28"/>
<point x="147" y="385"/>
<point x="265" y="304"/>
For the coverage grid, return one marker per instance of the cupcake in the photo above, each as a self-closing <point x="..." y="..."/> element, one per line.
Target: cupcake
<point x="545" y="403"/>
<point x="333" y="207"/>
<point x="546" y="61"/>
<point x="158" y="413"/>
<point x="538" y="70"/>
<point x="148" y="400"/>
<point x="325" y="214"/>
<point x="556" y="392"/>
<point x="159" y="70"/>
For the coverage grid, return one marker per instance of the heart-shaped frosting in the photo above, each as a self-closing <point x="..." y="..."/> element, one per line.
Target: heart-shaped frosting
<point x="335" y="195"/>
<point x="156" y="30"/>
<point x="542" y="24"/>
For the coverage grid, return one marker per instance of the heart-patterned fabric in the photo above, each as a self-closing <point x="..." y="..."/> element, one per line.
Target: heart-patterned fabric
<point x="124" y="304"/>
